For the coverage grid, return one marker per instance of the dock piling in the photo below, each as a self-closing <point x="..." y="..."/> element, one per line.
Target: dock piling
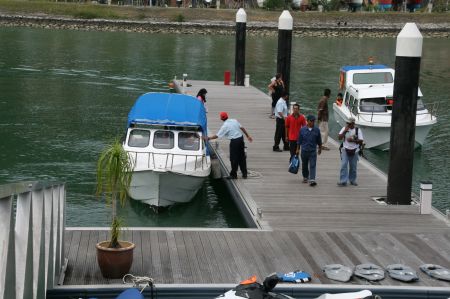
<point x="285" y="25"/>
<point x="403" y="124"/>
<point x="239" y="64"/>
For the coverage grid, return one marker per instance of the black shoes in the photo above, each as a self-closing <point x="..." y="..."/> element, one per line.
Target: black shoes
<point x="230" y="177"/>
<point x="277" y="149"/>
<point x="312" y="183"/>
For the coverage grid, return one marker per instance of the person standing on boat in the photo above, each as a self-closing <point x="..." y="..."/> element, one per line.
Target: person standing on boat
<point x="352" y="138"/>
<point x="201" y="96"/>
<point x="310" y="143"/>
<point x="322" y="117"/>
<point x="232" y="129"/>
<point x="293" y="124"/>
<point x="339" y="99"/>
<point x="276" y="87"/>
<point x="281" y="112"/>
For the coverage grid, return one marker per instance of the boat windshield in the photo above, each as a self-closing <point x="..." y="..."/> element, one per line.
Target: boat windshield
<point x="373" y="78"/>
<point x="139" y="138"/>
<point x="420" y="104"/>
<point x="373" y="105"/>
<point x="163" y="140"/>
<point x="188" y="141"/>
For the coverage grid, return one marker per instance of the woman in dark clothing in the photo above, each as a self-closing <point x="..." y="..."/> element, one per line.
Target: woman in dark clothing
<point x="276" y="88"/>
<point x="201" y="95"/>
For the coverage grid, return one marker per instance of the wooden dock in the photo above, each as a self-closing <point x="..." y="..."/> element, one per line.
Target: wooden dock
<point x="299" y="227"/>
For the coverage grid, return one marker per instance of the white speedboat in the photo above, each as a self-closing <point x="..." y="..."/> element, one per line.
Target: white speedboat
<point x="368" y="97"/>
<point x="165" y="140"/>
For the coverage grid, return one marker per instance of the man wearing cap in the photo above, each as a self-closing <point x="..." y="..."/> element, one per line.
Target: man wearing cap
<point x="352" y="138"/>
<point x="232" y="129"/>
<point x="310" y="143"/>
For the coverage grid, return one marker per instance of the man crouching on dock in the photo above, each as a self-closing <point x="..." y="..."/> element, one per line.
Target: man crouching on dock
<point x="232" y="129"/>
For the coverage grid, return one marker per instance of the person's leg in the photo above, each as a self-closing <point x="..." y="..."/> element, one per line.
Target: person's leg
<point x="243" y="159"/>
<point x="343" y="177"/>
<point x="353" y="164"/>
<point x="292" y="148"/>
<point x="312" y="166"/>
<point x="325" y="135"/>
<point x="234" y="158"/>
<point x="283" y="137"/>
<point x="279" y="124"/>
<point x="305" y="164"/>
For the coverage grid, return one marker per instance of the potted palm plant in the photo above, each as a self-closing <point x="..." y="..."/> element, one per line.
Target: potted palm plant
<point x="114" y="171"/>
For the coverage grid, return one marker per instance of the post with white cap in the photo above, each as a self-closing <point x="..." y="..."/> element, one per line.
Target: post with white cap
<point x="285" y="25"/>
<point x="403" y="123"/>
<point x="239" y="62"/>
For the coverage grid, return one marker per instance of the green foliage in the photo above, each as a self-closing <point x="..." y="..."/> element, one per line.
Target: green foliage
<point x="85" y="15"/>
<point x="114" y="172"/>
<point x="179" y="18"/>
<point x="274" y="4"/>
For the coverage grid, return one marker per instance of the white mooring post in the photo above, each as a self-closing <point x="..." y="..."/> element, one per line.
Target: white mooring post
<point x="426" y="191"/>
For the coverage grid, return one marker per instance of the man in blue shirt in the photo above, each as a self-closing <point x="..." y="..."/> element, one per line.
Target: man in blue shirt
<point x="232" y="129"/>
<point x="281" y="112"/>
<point x="309" y="140"/>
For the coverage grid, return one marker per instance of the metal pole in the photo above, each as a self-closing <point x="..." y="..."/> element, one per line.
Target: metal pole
<point x="239" y="64"/>
<point x="285" y="25"/>
<point x="403" y="123"/>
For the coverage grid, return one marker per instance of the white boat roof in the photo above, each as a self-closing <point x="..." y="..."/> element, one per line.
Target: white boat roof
<point x="376" y="91"/>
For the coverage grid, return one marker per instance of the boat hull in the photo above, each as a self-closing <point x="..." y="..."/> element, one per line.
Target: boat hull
<point x="378" y="137"/>
<point x="162" y="189"/>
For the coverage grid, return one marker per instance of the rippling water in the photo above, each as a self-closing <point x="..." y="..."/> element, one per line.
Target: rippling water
<point x="65" y="94"/>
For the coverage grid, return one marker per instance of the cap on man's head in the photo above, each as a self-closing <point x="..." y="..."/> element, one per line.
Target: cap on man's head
<point x="223" y="115"/>
<point x="351" y="120"/>
<point x="311" y="117"/>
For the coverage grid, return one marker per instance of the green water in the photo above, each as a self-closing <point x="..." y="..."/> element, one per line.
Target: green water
<point x="65" y="94"/>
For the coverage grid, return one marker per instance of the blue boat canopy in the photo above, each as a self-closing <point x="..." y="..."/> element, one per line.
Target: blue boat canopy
<point x="174" y="109"/>
<point x="363" y="67"/>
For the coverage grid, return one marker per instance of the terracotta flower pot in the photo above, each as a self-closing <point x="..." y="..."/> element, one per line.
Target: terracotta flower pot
<point x="115" y="262"/>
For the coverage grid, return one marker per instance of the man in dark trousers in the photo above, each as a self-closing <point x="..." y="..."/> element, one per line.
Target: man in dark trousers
<point x="309" y="140"/>
<point x="281" y="112"/>
<point x="294" y="123"/>
<point x="232" y="129"/>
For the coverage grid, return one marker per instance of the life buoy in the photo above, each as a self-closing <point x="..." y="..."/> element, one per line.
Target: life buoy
<point x="341" y="80"/>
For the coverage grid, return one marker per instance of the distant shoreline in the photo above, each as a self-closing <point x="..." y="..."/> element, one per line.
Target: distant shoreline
<point x="206" y="27"/>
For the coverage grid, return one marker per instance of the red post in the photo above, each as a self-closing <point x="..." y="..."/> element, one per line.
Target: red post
<point x="226" y="78"/>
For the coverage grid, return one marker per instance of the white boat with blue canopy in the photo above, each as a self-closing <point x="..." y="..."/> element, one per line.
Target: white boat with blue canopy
<point x="165" y="140"/>
<point x="368" y="97"/>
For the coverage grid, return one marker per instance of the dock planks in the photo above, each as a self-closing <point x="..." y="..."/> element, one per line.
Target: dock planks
<point x="303" y="227"/>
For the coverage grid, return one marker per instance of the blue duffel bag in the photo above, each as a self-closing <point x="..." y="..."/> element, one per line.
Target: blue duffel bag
<point x="294" y="165"/>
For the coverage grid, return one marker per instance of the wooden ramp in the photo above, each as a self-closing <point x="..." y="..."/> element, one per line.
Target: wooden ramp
<point x="301" y="227"/>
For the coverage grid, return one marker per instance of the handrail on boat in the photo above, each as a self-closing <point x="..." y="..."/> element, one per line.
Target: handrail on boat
<point x="151" y="158"/>
<point x="430" y="109"/>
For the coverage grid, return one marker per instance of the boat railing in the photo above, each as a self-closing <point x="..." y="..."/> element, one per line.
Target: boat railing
<point x="371" y="111"/>
<point x="189" y="161"/>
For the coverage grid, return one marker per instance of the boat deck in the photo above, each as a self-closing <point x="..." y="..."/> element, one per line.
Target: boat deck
<point x="298" y="226"/>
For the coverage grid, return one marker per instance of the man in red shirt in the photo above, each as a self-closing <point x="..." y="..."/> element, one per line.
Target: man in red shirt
<point x="293" y="124"/>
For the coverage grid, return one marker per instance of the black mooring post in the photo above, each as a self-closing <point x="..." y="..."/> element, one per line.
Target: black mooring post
<point x="239" y="63"/>
<point x="285" y="25"/>
<point x="403" y="124"/>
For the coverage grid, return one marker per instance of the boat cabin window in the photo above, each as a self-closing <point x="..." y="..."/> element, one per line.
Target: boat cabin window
<point x="373" y="105"/>
<point x="373" y="78"/>
<point x="139" y="138"/>
<point x="189" y="141"/>
<point x="163" y="140"/>
<point x="347" y="97"/>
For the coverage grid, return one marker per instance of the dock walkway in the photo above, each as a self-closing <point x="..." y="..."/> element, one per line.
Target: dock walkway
<point x="298" y="226"/>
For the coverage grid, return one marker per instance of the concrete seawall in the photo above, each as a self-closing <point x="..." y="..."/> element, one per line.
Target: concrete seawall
<point x="356" y="29"/>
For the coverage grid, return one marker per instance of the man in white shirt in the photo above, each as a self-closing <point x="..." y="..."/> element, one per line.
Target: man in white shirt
<point x="352" y="139"/>
<point x="281" y="112"/>
<point x="232" y="129"/>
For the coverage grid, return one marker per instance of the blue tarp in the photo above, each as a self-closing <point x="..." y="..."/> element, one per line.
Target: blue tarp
<point x="363" y="67"/>
<point x="168" y="109"/>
